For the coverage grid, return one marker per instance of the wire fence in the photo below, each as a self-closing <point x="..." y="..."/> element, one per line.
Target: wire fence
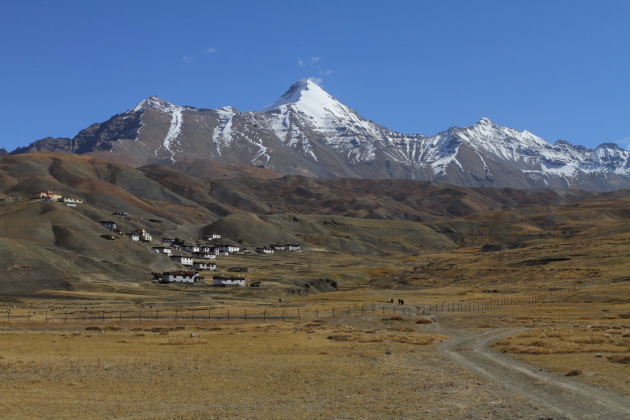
<point x="200" y="314"/>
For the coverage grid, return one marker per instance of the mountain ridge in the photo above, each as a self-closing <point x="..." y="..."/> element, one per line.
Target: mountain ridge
<point x="307" y="132"/>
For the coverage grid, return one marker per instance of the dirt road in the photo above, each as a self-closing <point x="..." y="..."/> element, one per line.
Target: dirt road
<point x="563" y="397"/>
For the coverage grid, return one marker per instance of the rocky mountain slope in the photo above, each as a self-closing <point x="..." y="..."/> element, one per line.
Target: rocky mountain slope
<point x="308" y="132"/>
<point x="48" y="245"/>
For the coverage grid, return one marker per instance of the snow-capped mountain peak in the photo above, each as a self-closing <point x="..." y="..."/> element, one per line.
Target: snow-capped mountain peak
<point x="303" y="91"/>
<point x="308" y="132"/>
<point x="153" y="102"/>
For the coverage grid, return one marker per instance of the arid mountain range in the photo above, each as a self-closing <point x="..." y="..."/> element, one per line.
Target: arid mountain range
<point x="309" y="133"/>
<point x="53" y="246"/>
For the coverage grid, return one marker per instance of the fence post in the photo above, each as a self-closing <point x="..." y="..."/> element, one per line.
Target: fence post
<point x="28" y="317"/>
<point x="46" y="315"/>
<point x="228" y="314"/>
<point x="299" y="317"/>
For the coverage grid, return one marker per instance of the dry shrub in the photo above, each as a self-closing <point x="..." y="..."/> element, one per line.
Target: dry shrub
<point x="93" y="328"/>
<point x="554" y="335"/>
<point x="599" y="327"/>
<point x="158" y="330"/>
<point x="402" y="329"/>
<point x="540" y="343"/>
<point x="354" y="338"/>
<point x="419" y="340"/>
<point x="210" y="328"/>
<point x="531" y="350"/>
<point x="590" y="340"/>
<point x="624" y="360"/>
<point x="424" y="321"/>
<point x="182" y="342"/>
<point x="574" y="372"/>
<point x="625" y="315"/>
<point x="393" y="318"/>
<point x="112" y="328"/>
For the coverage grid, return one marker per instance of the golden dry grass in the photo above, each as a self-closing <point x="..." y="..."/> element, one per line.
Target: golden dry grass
<point x="283" y="370"/>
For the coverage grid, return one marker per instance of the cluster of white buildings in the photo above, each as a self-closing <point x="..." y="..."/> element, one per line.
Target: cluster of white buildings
<point x="52" y="197"/>
<point x="199" y="259"/>
<point x="271" y="249"/>
<point x="195" y="257"/>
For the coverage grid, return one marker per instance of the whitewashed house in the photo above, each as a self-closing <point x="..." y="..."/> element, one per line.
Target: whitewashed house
<point x="72" y="200"/>
<point x="204" y="265"/>
<point x="167" y="241"/>
<point x="182" y="259"/>
<point x="191" y="248"/>
<point x="145" y="236"/>
<point x="229" y="248"/>
<point x="294" y="247"/>
<point x="223" y="280"/>
<point x="211" y="236"/>
<point x="180" y="277"/>
<point x="108" y="224"/>
<point x="210" y="249"/>
<point x="120" y="213"/>
<point x="264" y="250"/>
<point x="278" y="247"/>
<point x="134" y="236"/>
<point x="203" y="255"/>
<point x="163" y="250"/>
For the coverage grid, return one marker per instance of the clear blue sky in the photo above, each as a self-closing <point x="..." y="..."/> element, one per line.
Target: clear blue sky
<point x="559" y="69"/>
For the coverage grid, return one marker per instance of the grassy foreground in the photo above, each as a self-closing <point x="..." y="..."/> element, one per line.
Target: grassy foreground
<point x="370" y="366"/>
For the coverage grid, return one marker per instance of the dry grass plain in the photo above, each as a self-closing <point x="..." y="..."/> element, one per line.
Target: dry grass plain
<point x="573" y="296"/>
<point x="349" y="368"/>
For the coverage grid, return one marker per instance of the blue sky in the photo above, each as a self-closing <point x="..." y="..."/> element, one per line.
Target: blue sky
<point x="559" y="69"/>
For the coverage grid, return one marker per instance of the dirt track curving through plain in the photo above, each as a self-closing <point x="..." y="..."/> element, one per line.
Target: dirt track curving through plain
<point x="561" y="396"/>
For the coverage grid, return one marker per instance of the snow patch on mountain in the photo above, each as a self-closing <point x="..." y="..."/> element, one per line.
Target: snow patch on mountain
<point x="222" y="135"/>
<point x="174" y="130"/>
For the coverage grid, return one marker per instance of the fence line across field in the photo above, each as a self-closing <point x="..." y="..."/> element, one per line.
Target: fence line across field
<point x="65" y="315"/>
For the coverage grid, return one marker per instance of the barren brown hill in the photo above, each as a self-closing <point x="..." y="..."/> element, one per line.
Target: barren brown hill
<point x="214" y="169"/>
<point x="49" y="246"/>
<point x="389" y="199"/>
<point x="114" y="186"/>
